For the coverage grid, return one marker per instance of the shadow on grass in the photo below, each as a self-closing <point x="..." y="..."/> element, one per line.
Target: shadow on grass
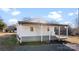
<point x="44" y="46"/>
<point x="59" y="42"/>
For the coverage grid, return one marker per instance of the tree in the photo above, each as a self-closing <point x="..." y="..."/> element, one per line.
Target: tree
<point x="76" y="29"/>
<point x="77" y="19"/>
<point x="2" y="25"/>
<point x="77" y="22"/>
<point x="70" y="30"/>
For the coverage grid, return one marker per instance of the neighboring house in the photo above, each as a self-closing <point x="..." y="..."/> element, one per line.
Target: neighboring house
<point x="37" y="31"/>
<point x="10" y="29"/>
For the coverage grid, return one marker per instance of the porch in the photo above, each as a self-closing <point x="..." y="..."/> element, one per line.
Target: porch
<point x="56" y="35"/>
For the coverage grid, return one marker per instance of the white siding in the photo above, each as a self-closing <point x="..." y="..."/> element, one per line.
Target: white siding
<point x="24" y="30"/>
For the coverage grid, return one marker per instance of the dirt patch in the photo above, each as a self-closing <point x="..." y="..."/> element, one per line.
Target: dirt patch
<point x="5" y="34"/>
<point x="73" y="39"/>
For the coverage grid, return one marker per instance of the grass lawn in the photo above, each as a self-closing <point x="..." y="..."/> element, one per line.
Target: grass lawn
<point x="34" y="43"/>
<point x="8" y="40"/>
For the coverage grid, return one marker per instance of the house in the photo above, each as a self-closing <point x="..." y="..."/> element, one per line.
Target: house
<point x="11" y="29"/>
<point x="38" y="31"/>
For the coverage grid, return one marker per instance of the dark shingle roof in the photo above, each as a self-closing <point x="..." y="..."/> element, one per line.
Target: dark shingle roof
<point x="40" y="21"/>
<point x="25" y="22"/>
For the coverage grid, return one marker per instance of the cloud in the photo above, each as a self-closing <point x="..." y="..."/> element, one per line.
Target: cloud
<point x="15" y="13"/>
<point x="6" y="9"/>
<point x="12" y="21"/>
<point x="60" y="12"/>
<point x="71" y="14"/>
<point x="55" y="15"/>
<point x="76" y="13"/>
<point x="67" y="22"/>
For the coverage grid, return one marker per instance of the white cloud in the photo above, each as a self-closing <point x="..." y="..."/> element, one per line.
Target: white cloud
<point x="73" y="26"/>
<point x="55" y="15"/>
<point x="59" y="11"/>
<point x="14" y="13"/>
<point x="67" y="22"/>
<point x="76" y="13"/>
<point x="71" y="14"/>
<point x="5" y="9"/>
<point x="12" y="21"/>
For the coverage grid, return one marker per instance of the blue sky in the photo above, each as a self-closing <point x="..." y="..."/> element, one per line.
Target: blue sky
<point x="61" y="15"/>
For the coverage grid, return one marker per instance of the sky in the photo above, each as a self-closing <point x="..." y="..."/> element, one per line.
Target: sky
<point x="61" y="15"/>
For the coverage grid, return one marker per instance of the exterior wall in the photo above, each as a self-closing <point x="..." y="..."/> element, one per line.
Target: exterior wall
<point x="23" y="31"/>
<point x="37" y="38"/>
<point x="31" y="38"/>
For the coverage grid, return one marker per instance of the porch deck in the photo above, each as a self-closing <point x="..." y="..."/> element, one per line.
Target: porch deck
<point x="62" y="36"/>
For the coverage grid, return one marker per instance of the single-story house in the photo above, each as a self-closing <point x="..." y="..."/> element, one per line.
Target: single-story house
<point x="36" y="31"/>
<point x="11" y="29"/>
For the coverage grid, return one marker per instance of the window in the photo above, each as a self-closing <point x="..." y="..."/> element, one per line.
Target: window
<point x="48" y="29"/>
<point x="31" y="29"/>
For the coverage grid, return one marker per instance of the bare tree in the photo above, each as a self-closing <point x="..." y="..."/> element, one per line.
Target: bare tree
<point x="77" y="19"/>
<point x="77" y="23"/>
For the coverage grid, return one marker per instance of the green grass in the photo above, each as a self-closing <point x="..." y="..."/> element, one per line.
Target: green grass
<point x="10" y="41"/>
<point x="34" y="43"/>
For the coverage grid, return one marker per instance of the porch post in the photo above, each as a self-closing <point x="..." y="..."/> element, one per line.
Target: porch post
<point x="49" y="35"/>
<point x="41" y="34"/>
<point x="59" y="32"/>
<point x="67" y="31"/>
<point x="54" y="30"/>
